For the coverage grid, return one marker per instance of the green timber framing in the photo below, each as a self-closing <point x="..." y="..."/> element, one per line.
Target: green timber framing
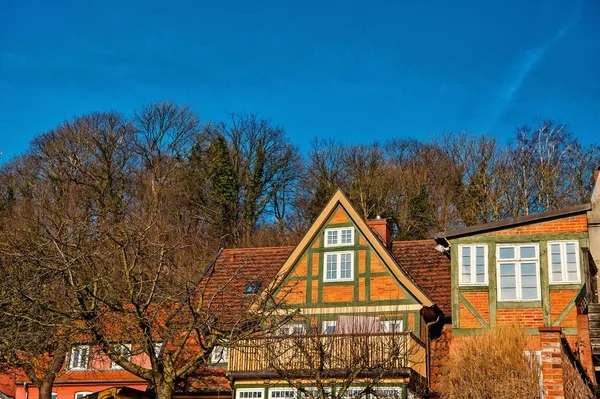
<point x="480" y="235"/>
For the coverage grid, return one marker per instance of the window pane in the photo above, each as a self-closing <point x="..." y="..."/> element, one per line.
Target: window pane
<point x="509" y="293"/>
<point x="332" y="237"/>
<point x="346" y="266"/>
<point x="347" y="236"/>
<point x="480" y="264"/>
<point x="331" y="266"/>
<point x="528" y="269"/>
<point x="528" y="252"/>
<point x="529" y="282"/>
<point x="529" y="293"/>
<point x="507" y="252"/>
<point x="507" y="269"/>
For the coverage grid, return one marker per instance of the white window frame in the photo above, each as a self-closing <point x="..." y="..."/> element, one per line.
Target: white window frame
<point x="392" y="326"/>
<point x="518" y="261"/>
<point x="114" y="365"/>
<point x="81" y="394"/>
<point x="563" y="261"/>
<point x="294" y="392"/>
<point x="219" y="355"/>
<point x="292" y="329"/>
<point x="338" y="267"/>
<point x="326" y="324"/>
<point x="260" y="391"/>
<point x="78" y="366"/>
<point x="473" y="265"/>
<point x="339" y="242"/>
<point x="395" y="389"/>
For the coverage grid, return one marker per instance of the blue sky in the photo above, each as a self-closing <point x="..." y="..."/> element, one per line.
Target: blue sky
<point x="351" y="70"/>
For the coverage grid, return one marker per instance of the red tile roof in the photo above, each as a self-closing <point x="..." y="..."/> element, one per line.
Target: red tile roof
<point x="429" y="268"/>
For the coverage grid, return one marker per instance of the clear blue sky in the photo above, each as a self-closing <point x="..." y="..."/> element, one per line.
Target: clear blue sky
<point x="350" y="70"/>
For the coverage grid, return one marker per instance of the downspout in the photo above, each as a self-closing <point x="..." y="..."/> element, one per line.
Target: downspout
<point x="26" y="390"/>
<point x="428" y="355"/>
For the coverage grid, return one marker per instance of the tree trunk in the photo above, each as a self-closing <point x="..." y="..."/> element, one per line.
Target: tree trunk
<point x="164" y="390"/>
<point x="46" y="388"/>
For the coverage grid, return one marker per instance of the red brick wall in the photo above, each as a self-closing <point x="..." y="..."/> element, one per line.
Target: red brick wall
<point x="559" y="299"/>
<point x="480" y="301"/>
<point x="567" y="225"/>
<point x="533" y="317"/>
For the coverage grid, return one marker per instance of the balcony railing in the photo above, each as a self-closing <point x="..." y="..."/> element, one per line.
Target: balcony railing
<point x="332" y="355"/>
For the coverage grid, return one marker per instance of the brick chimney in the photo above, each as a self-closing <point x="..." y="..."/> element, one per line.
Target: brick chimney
<point x="382" y="228"/>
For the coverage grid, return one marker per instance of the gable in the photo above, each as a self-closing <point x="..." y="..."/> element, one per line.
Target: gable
<point x="376" y="276"/>
<point x="372" y="282"/>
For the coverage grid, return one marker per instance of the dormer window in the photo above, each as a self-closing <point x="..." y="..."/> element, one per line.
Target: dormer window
<point x="252" y="287"/>
<point x="339" y="237"/>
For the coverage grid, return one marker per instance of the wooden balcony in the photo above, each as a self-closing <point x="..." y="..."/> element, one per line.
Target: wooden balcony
<point x="331" y="355"/>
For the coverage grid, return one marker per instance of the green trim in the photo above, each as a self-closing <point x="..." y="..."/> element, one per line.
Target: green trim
<point x="570" y="331"/>
<point x="455" y="307"/>
<point x="544" y="279"/>
<point x="376" y="274"/>
<point x="344" y="248"/>
<point x="321" y="304"/>
<point x="574" y="287"/>
<point x="329" y="225"/>
<point x="493" y="294"/>
<point x="565" y="312"/>
<point x="519" y="305"/>
<point x="468" y="332"/>
<point x="473" y="311"/>
<point x="474" y="288"/>
<point x="417" y="328"/>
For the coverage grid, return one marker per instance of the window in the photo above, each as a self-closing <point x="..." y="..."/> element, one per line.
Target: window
<point x="518" y="272"/>
<point x="282" y="393"/>
<point x="291" y="329"/>
<point x="249" y="393"/>
<point x="329" y="327"/>
<point x="389" y="392"/>
<point x="122" y="350"/>
<point x="473" y="264"/>
<point x="252" y="287"/>
<point x="339" y="237"/>
<point x="339" y="266"/>
<point x="79" y="395"/>
<point x="219" y="354"/>
<point x="54" y="395"/>
<point x="79" y="357"/>
<point x="354" y="393"/>
<point x="563" y="261"/>
<point x="392" y="326"/>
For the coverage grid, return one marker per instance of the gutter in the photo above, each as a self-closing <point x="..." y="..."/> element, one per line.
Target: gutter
<point x="428" y="351"/>
<point x="83" y="382"/>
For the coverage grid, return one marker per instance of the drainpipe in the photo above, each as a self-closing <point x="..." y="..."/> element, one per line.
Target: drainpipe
<point x="26" y="390"/>
<point x="428" y="355"/>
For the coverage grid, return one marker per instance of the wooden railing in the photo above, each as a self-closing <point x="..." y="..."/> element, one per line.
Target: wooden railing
<point x="369" y="354"/>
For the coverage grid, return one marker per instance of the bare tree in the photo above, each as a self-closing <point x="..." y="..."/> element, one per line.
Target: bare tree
<point x="106" y="223"/>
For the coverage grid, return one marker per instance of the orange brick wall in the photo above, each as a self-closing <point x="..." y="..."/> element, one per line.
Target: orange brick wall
<point x="338" y="293"/>
<point x="362" y="261"/>
<point x="568" y="225"/>
<point x="559" y="299"/>
<point x="524" y="317"/>
<point x="339" y="217"/>
<point x="294" y="292"/>
<point x="376" y="265"/>
<point x="467" y="320"/>
<point x="300" y="269"/>
<point x="385" y="288"/>
<point x="480" y="301"/>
